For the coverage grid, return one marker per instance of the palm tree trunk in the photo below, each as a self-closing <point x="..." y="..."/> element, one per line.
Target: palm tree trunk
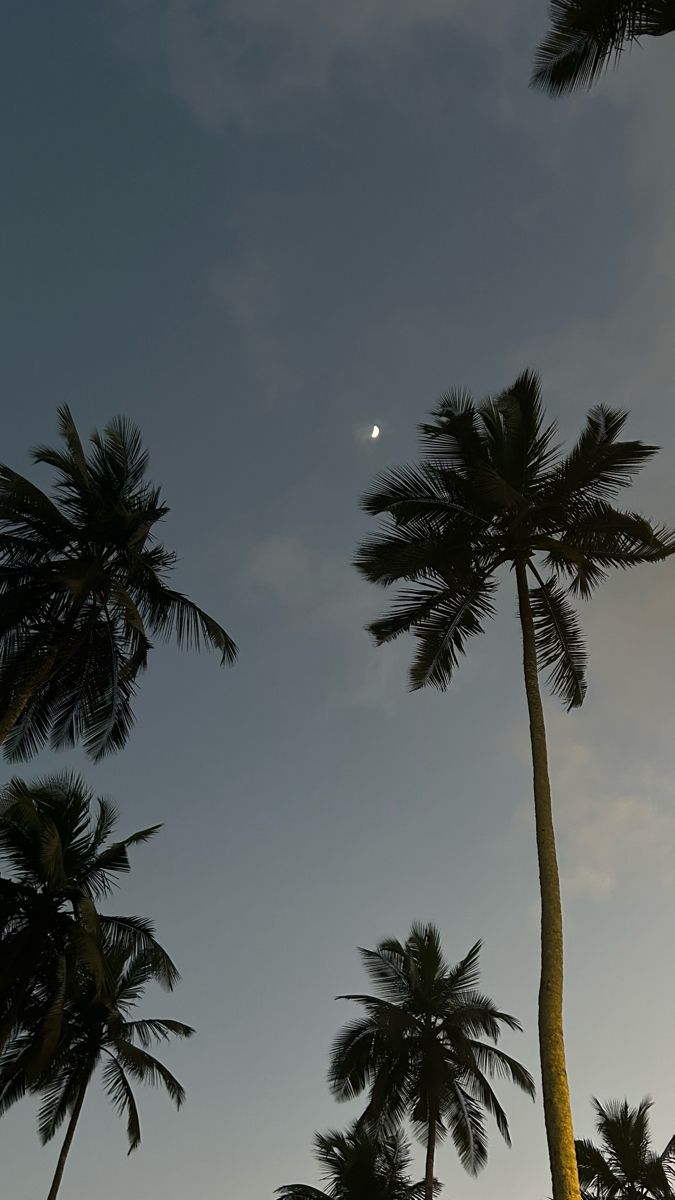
<point x="555" y="1088"/>
<point x="68" y="1141"/>
<point x="429" y="1164"/>
<point x="39" y="675"/>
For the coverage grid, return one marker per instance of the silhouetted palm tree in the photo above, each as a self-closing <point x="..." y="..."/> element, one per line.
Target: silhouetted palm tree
<point x="83" y="589"/>
<point x="357" y="1165"/>
<point x="624" y="1166"/>
<point x="93" y="1034"/>
<point x="58" y="862"/>
<point x="493" y="494"/>
<point x="587" y="35"/>
<point x="418" y="1049"/>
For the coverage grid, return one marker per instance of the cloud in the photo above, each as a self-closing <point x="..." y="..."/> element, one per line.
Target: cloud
<point x="614" y="809"/>
<point x="237" y="60"/>
<point x="322" y="596"/>
<point x="626" y="355"/>
<point x="250" y="296"/>
<point x="615" y="812"/>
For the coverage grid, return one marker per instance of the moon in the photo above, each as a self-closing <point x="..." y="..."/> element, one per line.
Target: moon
<point x="375" y="432"/>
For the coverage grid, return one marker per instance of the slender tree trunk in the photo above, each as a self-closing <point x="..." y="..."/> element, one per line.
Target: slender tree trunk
<point x="429" y="1164"/>
<point x="67" y="1143"/>
<point x="555" y="1088"/>
<point x="39" y="675"/>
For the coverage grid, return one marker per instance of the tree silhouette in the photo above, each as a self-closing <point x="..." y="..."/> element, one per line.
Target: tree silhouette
<point x="93" y="1034"/>
<point x="83" y="589"/>
<point x="418" y="1049"/>
<point x="59" y="862"/>
<point x="493" y="495"/>
<point x="357" y="1165"/>
<point x="624" y="1166"/>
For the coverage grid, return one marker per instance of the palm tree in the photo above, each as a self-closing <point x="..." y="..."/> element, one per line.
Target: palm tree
<point x="95" y="1034"/>
<point x="418" y="1049"/>
<point x="357" y="1165"/>
<point x="59" y="861"/>
<point x="624" y="1166"/>
<point x="587" y="35"/>
<point x="494" y="493"/>
<point x="83" y="588"/>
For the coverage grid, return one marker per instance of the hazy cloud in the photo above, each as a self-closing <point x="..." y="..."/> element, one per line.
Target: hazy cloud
<point x="235" y="60"/>
<point x="322" y="596"/>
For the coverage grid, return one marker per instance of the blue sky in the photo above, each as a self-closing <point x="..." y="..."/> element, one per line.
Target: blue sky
<point x="256" y="228"/>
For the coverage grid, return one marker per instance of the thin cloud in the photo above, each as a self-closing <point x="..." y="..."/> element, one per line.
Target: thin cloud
<point x="322" y="596"/>
<point x="237" y="60"/>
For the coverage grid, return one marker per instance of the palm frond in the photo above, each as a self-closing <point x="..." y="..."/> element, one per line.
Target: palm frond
<point x="494" y="1062"/>
<point x="560" y="643"/>
<point x="121" y="1096"/>
<point x="599" y="465"/>
<point x="466" y="1125"/>
<point x="153" y="1030"/>
<point x="134" y="939"/>
<point x="351" y="1059"/>
<point x="587" y="36"/>
<point x="452" y="436"/>
<point x="386" y="966"/>
<point x="529" y="447"/>
<point x="442" y="635"/>
<point x="171" y="614"/>
<point x="147" y="1069"/>
<point x="301" y="1191"/>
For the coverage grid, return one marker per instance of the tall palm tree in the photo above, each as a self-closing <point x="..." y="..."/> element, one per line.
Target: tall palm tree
<point x="95" y="1034"/>
<point x="357" y="1165"/>
<point x="418" y="1049"/>
<point x="624" y="1166"/>
<point x="493" y="493"/>
<point x="59" y="861"/>
<point x="83" y="589"/>
<point x="586" y="36"/>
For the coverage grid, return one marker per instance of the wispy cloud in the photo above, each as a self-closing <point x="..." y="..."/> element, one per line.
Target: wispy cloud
<point x="614" y="807"/>
<point x="322" y="596"/>
<point x="236" y="60"/>
<point x="626" y="355"/>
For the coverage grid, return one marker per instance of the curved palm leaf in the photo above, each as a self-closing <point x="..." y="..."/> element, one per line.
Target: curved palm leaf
<point x="587" y="36"/>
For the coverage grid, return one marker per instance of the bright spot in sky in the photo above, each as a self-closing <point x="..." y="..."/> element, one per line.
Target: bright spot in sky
<point x="375" y="431"/>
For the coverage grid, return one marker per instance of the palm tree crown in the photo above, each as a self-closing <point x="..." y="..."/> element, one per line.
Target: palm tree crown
<point x="96" y="1034"/>
<point x="59" y="861"/>
<point x="492" y="492"/>
<point x="357" y="1165"/>
<point x="586" y="36"/>
<point x="624" y="1166"/>
<point x="418" y="1048"/>
<point x="83" y="589"/>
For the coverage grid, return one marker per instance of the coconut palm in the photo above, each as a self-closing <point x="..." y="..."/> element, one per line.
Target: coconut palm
<point x="94" y="1034"/>
<point x="357" y="1165"/>
<point x="586" y="36"/>
<point x="493" y="495"/>
<point x="624" y="1166"/>
<point x="58" y="862"/>
<point x="418" y="1049"/>
<point x="83" y="589"/>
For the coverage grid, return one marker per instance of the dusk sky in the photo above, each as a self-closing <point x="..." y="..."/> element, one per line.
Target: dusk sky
<point x="256" y="227"/>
